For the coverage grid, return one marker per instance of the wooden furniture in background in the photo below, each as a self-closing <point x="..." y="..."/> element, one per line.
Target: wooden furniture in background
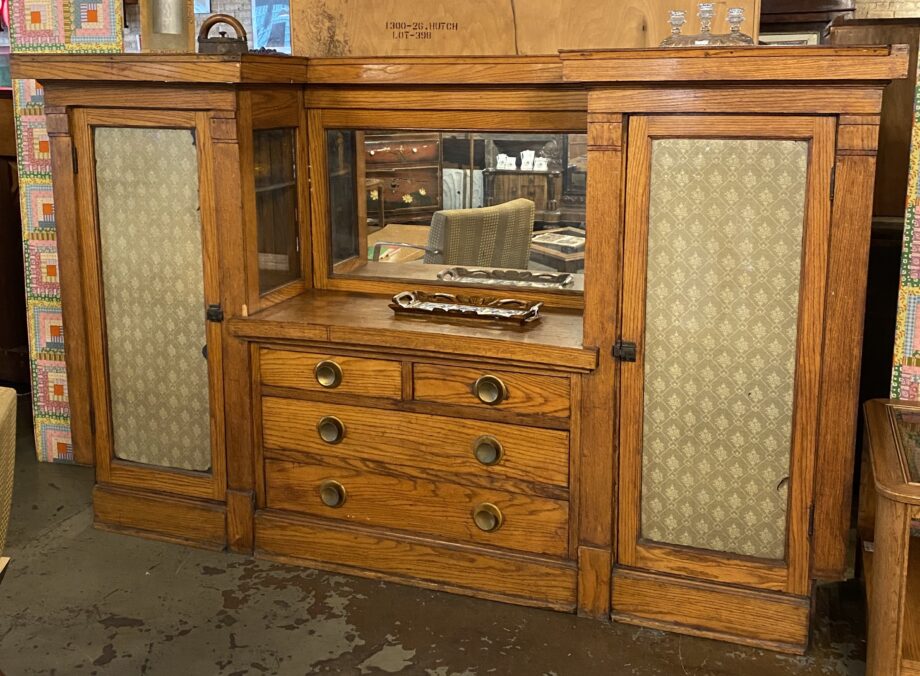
<point x="897" y="117"/>
<point x="508" y="464"/>
<point x="889" y="503"/>
<point x="336" y="28"/>
<point x="804" y="16"/>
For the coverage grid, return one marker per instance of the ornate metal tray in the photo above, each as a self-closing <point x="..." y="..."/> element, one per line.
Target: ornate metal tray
<point x="524" y="278"/>
<point x="510" y="310"/>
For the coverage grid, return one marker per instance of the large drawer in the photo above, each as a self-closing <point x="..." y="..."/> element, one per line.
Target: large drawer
<point x="441" y="510"/>
<point x="501" y="390"/>
<point x="447" y="447"/>
<point x="321" y="372"/>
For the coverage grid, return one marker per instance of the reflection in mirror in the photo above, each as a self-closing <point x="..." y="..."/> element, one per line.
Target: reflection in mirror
<point x="503" y="209"/>
<point x="275" y="169"/>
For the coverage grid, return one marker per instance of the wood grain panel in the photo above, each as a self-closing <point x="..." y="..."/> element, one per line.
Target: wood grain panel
<point x="846" y="283"/>
<point x="737" y="64"/>
<point x="366" y="377"/>
<point x="423" y="441"/>
<point x="172" y="517"/>
<point x="736" y="99"/>
<point x="70" y="220"/>
<point x="556" y="98"/>
<point x="548" y="395"/>
<point x="464" y="569"/>
<point x="439" y="509"/>
<point x="772" y="621"/>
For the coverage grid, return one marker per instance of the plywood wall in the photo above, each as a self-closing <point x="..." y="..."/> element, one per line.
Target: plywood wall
<point x="490" y="27"/>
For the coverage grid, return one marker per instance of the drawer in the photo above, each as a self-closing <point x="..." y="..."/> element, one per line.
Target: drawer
<point x="440" y="510"/>
<point x="517" y="392"/>
<point x="321" y="372"/>
<point x="443" y="446"/>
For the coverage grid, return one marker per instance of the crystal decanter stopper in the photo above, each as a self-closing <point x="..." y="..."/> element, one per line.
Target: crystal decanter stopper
<point x="676" y="19"/>
<point x="705" y="13"/>
<point x="735" y="19"/>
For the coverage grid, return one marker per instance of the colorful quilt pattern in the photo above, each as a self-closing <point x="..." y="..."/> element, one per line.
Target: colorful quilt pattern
<point x="49" y="26"/>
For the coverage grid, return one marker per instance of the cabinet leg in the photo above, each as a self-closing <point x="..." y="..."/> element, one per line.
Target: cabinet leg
<point x="594" y="582"/>
<point x="240" y="534"/>
<point x="888" y="588"/>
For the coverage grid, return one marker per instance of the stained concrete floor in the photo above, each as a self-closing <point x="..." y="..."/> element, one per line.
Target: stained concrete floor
<point x="81" y="601"/>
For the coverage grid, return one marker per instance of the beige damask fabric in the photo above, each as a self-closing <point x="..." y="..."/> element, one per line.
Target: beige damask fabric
<point x="147" y="183"/>
<point x="725" y="243"/>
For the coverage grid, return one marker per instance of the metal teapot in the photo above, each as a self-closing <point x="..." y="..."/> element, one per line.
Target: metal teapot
<point x="222" y="44"/>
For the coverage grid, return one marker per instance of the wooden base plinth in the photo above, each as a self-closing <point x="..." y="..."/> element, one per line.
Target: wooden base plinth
<point x="200" y="523"/>
<point x="763" y="619"/>
<point x="462" y="569"/>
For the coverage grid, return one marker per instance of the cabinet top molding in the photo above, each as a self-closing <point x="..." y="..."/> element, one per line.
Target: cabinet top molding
<point x="703" y="64"/>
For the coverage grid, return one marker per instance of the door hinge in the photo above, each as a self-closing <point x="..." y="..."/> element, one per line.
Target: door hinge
<point x="811" y="521"/>
<point x="833" y="181"/>
<point x="214" y="313"/>
<point x="624" y="350"/>
<point x="73" y="157"/>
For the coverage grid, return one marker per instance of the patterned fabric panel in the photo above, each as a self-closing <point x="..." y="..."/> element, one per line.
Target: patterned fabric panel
<point x="153" y="280"/>
<point x="725" y="242"/>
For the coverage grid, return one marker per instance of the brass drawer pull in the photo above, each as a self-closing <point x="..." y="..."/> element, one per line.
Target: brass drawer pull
<point x="488" y="450"/>
<point x="332" y="493"/>
<point x="328" y="374"/>
<point x="490" y="390"/>
<point x="487" y="517"/>
<point x="330" y="429"/>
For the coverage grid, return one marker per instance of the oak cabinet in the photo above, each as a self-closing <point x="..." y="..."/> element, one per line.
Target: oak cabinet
<point x="670" y="446"/>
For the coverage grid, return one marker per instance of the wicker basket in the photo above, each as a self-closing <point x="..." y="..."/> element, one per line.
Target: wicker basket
<point x="7" y="456"/>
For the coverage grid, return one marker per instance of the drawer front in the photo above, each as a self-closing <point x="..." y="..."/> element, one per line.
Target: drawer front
<point x="319" y="372"/>
<point x="441" y="510"/>
<point x="449" y="446"/>
<point x="517" y="392"/>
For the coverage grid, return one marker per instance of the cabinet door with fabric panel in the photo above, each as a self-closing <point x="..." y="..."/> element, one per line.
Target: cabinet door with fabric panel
<point x="726" y="234"/>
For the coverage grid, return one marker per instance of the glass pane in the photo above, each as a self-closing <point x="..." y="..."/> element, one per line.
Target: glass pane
<point x="907" y="423"/>
<point x="725" y="243"/>
<point x="150" y="233"/>
<point x="457" y="207"/>
<point x="275" y="168"/>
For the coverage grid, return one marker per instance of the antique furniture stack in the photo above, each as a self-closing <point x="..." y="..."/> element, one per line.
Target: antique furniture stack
<point x="671" y="445"/>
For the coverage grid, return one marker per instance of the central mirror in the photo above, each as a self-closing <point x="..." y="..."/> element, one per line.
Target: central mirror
<point x="494" y="209"/>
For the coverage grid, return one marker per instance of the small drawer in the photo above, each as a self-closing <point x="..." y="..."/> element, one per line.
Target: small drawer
<point x="452" y="447"/>
<point x="436" y="509"/>
<point x="320" y="372"/>
<point x="517" y="392"/>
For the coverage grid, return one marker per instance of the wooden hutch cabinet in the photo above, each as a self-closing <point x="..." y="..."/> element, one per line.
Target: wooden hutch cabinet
<point x="671" y="445"/>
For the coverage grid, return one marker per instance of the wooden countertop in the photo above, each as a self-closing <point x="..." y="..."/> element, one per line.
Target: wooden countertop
<point x="555" y="342"/>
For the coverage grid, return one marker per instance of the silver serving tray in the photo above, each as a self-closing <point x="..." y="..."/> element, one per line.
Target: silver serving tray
<point x="510" y="310"/>
<point x="522" y="278"/>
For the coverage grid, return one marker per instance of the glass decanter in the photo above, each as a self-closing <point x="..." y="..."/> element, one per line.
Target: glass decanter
<point x="735" y="19"/>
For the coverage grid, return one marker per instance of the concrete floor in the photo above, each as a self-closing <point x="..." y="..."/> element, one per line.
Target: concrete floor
<point x="81" y="601"/>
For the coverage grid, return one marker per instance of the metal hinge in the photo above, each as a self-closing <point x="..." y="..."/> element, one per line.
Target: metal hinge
<point x="73" y="156"/>
<point x="833" y="181"/>
<point x="624" y="350"/>
<point x="214" y="313"/>
<point x="811" y="521"/>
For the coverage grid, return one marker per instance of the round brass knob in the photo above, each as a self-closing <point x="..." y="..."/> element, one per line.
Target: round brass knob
<point x="488" y="450"/>
<point x="330" y="429"/>
<point x="490" y="390"/>
<point x="332" y="493"/>
<point x="487" y="517"/>
<point x="328" y="374"/>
